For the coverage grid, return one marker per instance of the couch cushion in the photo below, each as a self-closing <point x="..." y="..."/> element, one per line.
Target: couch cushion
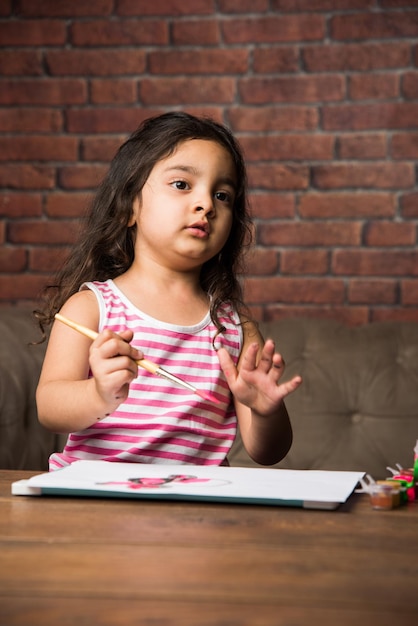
<point x="357" y="408"/>
<point x="24" y="443"/>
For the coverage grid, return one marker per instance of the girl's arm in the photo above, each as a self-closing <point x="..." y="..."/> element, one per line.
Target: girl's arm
<point x="258" y="394"/>
<point x="68" y="399"/>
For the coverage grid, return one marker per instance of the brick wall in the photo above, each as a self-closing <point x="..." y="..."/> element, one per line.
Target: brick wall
<point x="322" y="94"/>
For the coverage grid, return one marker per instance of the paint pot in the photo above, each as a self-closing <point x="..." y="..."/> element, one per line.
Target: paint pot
<point x="384" y="496"/>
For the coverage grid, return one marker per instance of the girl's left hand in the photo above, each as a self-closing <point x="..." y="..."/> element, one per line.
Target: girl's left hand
<point x="256" y="383"/>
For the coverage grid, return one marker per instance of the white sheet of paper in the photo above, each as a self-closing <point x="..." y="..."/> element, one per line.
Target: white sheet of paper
<point x="309" y="488"/>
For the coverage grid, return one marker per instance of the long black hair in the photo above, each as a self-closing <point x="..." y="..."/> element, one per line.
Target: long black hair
<point x="105" y="248"/>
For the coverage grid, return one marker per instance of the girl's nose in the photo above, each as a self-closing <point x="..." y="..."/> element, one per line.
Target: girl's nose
<point x="206" y="208"/>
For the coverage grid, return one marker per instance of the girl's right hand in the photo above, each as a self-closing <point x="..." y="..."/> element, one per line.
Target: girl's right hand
<point x="112" y="363"/>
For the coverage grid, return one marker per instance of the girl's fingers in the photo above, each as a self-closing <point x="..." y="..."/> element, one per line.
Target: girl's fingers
<point x="290" y="386"/>
<point x="227" y="365"/>
<point x="249" y="361"/>
<point x="269" y="361"/>
<point x="112" y="345"/>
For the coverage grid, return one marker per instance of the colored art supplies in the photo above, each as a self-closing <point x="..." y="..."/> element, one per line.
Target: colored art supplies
<point x="397" y="489"/>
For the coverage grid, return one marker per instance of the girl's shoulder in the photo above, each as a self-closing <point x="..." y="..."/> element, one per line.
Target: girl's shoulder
<point x="82" y="307"/>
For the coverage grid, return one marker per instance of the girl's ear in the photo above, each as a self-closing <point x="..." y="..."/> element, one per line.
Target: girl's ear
<point x="135" y="213"/>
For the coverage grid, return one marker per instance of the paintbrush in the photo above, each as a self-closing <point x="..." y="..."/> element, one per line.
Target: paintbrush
<point x="144" y="363"/>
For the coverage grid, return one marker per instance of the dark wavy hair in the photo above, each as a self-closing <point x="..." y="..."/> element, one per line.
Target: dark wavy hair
<point x="105" y="248"/>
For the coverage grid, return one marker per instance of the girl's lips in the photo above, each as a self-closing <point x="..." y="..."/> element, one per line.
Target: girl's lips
<point x="199" y="229"/>
<point x="198" y="232"/>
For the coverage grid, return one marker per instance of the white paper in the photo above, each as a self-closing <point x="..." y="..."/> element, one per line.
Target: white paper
<point x="309" y="488"/>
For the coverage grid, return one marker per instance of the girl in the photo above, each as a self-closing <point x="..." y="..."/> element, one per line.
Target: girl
<point x="155" y="272"/>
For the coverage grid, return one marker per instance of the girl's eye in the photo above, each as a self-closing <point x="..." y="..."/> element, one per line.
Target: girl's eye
<point x="223" y="196"/>
<point x="180" y="184"/>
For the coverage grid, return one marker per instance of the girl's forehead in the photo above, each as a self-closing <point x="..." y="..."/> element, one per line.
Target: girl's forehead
<point x="199" y="152"/>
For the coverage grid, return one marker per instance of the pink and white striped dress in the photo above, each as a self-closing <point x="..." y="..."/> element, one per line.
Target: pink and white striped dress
<point x="161" y="422"/>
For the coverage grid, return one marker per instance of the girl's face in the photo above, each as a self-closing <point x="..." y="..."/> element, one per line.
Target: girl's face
<point x="185" y="211"/>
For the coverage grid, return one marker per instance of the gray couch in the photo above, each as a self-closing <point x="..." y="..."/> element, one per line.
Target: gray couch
<point x="356" y="410"/>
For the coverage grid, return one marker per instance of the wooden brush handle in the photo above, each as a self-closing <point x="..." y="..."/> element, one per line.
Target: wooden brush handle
<point x="87" y="332"/>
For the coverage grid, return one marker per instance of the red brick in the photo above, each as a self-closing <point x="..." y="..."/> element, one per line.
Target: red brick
<point x="289" y="148"/>
<point x="304" y="262"/>
<point x="122" y="120"/>
<point x="96" y="62"/>
<point x="289" y="133"/>
<point x="409" y="204"/>
<point x="190" y="90"/>
<point x="362" y="291"/>
<point x="362" y="146"/>
<point x="273" y="118"/>
<point x="61" y="204"/>
<point x="21" y="287"/>
<point x="409" y="292"/>
<point x="62" y="8"/>
<point x="27" y="176"/>
<point x="200" y="62"/>
<point x="272" y="205"/>
<point x="243" y="6"/>
<point x="38" y="148"/>
<point x="375" y="263"/>
<point x="396" y="4"/>
<point x="376" y="87"/>
<point x="196" y="33"/>
<point x="256" y="312"/>
<point x="165" y="7"/>
<point x="387" y="116"/>
<point x="119" y="33"/>
<point x="271" y="29"/>
<point x="13" y="260"/>
<point x="82" y="176"/>
<point x="21" y="62"/>
<point x="390" y="234"/>
<point x="20" y="204"/>
<point x="346" y="204"/>
<point x="404" y="145"/>
<point x="394" y="315"/>
<point x="294" y="290"/>
<point x="319" y="88"/>
<point x="43" y="91"/>
<point x="262" y="261"/>
<point x="365" y="175"/>
<point x="310" y="234"/>
<point x="321" y="5"/>
<point x="277" y="177"/>
<point x="360" y="57"/>
<point x="45" y="259"/>
<point x="410" y="85"/>
<point x="276" y="60"/>
<point x="113" y="91"/>
<point x="6" y="7"/>
<point x="374" y="25"/>
<point x="108" y="120"/>
<point x="27" y="120"/>
<point x="40" y="232"/>
<point x="351" y="316"/>
<point x="33" y="33"/>
<point x="101" y="148"/>
<point x="214" y="112"/>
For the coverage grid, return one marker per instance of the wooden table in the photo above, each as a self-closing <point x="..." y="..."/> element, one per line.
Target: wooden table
<point x="97" y="561"/>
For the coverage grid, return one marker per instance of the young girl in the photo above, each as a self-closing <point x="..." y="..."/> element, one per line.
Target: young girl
<point x="155" y="272"/>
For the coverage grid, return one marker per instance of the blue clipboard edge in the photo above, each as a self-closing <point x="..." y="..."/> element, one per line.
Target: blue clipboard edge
<point x="22" y="488"/>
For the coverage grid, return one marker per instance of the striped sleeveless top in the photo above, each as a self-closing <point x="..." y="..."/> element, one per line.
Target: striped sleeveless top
<point x="161" y="422"/>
